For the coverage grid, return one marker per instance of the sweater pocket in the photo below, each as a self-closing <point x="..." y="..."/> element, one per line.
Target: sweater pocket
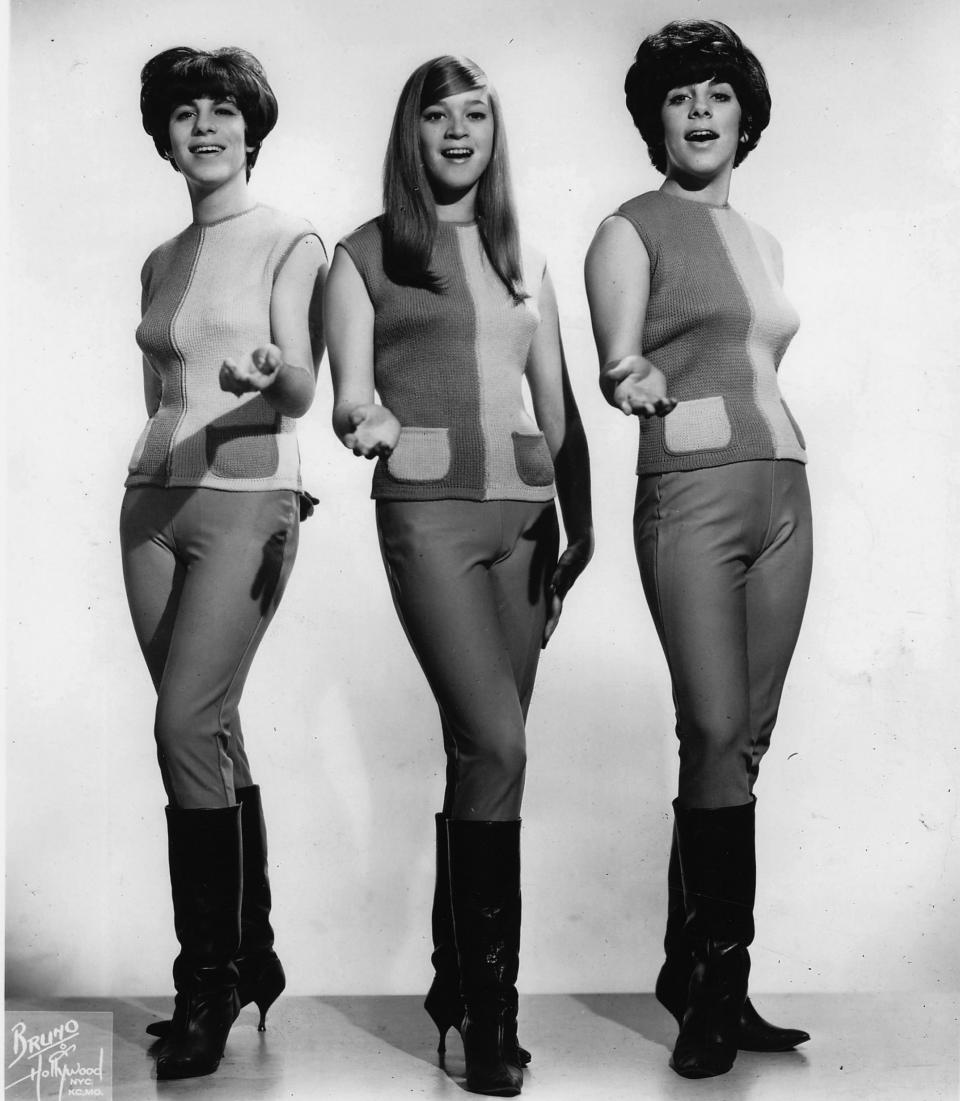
<point x="698" y="425"/>
<point x="241" y="451"/>
<point x="421" y="455"/>
<point x="532" y="457"/>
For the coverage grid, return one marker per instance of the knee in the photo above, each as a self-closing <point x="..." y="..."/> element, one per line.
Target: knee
<point x="178" y="723"/>
<point x="500" y="765"/>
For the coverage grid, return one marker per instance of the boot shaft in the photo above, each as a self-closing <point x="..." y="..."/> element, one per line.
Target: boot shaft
<point x="717" y="855"/>
<point x="255" y="929"/>
<point x="485" y="892"/>
<point x="206" y="879"/>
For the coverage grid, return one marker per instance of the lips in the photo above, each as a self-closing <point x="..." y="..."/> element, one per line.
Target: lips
<point x="701" y="135"/>
<point x="206" y="149"/>
<point x="458" y="152"/>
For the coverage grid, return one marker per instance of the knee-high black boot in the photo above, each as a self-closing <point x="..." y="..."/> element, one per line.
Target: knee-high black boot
<point x="261" y="975"/>
<point x="444" y="1001"/>
<point x="262" y="978"/>
<point x="206" y="880"/>
<point x="754" y="1033"/>
<point x="719" y="872"/>
<point x="485" y="889"/>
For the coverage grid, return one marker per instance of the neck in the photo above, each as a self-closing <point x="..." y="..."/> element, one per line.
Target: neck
<point x="714" y="190"/>
<point x="456" y="206"/>
<point x="229" y="198"/>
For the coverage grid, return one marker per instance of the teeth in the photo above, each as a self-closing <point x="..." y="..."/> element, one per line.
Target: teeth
<point x="457" y="152"/>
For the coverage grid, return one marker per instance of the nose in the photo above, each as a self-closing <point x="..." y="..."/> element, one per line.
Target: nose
<point x="700" y="107"/>
<point x="456" y="127"/>
<point x="204" y="122"/>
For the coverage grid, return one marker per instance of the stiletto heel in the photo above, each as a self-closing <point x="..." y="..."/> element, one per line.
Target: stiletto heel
<point x="434" y="1007"/>
<point x="269" y="984"/>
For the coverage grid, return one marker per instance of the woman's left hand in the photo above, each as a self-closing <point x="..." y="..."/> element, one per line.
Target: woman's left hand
<point x="257" y="371"/>
<point x="572" y="563"/>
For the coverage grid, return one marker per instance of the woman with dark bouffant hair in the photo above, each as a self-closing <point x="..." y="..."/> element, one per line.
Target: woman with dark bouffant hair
<point x="438" y="307"/>
<point x="691" y="323"/>
<point x="231" y="340"/>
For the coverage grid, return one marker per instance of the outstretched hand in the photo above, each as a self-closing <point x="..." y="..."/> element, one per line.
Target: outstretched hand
<point x="374" y="431"/>
<point x="641" y="388"/>
<point x="572" y="563"/>
<point x="256" y="371"/>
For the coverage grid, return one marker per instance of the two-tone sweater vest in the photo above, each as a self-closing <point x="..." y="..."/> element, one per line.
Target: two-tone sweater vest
<point x="449" y="365"/>
<point x="717" y="325"/>
<point x="206" y="298"/>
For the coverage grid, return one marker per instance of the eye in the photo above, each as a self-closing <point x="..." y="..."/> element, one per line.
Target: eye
<point x="182" y="113"/>
<point x="432" y="115"/>
<point x="477" y="116"/>
<point x="722" y="97"/>
<point x="676" y="98"/>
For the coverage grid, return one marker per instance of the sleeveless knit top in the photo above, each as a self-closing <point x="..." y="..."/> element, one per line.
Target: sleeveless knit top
<point x="717" y="325"/>
<point x="206" y="297"/>
<point x="449" y="364"/>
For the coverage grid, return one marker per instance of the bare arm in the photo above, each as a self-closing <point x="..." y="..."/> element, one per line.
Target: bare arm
<point x="367" y="428"/>
<point x="285" y="372"/>
<point x="559" y="419"/>
<point x="618" y="289"/>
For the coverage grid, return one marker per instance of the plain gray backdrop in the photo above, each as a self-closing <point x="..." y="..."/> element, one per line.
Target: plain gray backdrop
<point x="857" y="177"/>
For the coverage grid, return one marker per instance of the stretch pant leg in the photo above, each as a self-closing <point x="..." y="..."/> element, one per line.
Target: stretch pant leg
<point x="469" y="581"/>
<point x="725" y="556"/>
<point x="204" y="572"/>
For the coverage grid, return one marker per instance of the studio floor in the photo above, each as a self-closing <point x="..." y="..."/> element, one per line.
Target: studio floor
<point x="588" y="1047"/>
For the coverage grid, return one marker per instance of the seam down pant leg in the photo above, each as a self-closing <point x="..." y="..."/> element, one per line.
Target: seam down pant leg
<point x="724" y="556"/>
<point x="469" y="583"/>
<point x="205" y="571"/>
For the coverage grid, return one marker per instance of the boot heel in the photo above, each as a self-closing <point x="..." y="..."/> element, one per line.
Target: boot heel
<point x="270" y="984"/>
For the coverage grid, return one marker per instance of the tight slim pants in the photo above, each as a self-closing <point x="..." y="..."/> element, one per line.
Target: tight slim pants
<point x="469" y="581"/>
<point x="204" y="571"/>
<point x="725" y="556"/>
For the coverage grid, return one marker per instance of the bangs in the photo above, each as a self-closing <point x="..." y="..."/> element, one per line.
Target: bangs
<point x="449" y="76"/>
<point x="697" y="70"/>
<point x="206" y="78"/>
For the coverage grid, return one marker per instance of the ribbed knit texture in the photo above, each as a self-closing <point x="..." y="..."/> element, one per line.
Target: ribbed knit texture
<point x="206" y="298"/>
<point x="448" y="364"/>
<point x="717" y="325"/>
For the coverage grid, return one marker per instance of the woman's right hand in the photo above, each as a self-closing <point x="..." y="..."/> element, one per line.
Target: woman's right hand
<point x="374" y="431"/>
<point x="641" y="388"/>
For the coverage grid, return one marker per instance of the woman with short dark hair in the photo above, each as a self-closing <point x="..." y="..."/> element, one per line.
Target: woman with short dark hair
<point x="691" y="323"/>
<point x="439" y="307"/>
<point x="231" y="340"/>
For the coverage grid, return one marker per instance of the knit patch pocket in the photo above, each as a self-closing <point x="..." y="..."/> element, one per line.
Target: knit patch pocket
<point x="532" y="456"/>
<point x="421" y="455"/>
<point x="699" y="425"/>
<point x="242" y="451"/>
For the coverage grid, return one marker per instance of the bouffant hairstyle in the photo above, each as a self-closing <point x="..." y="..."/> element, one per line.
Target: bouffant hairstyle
<point x="689" y="51"/>
<point x="410" y="219"/>
<point x="183" y="74"/>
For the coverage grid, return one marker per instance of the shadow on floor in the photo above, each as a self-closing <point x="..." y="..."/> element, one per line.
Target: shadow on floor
<point x="640" y="1013"/>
